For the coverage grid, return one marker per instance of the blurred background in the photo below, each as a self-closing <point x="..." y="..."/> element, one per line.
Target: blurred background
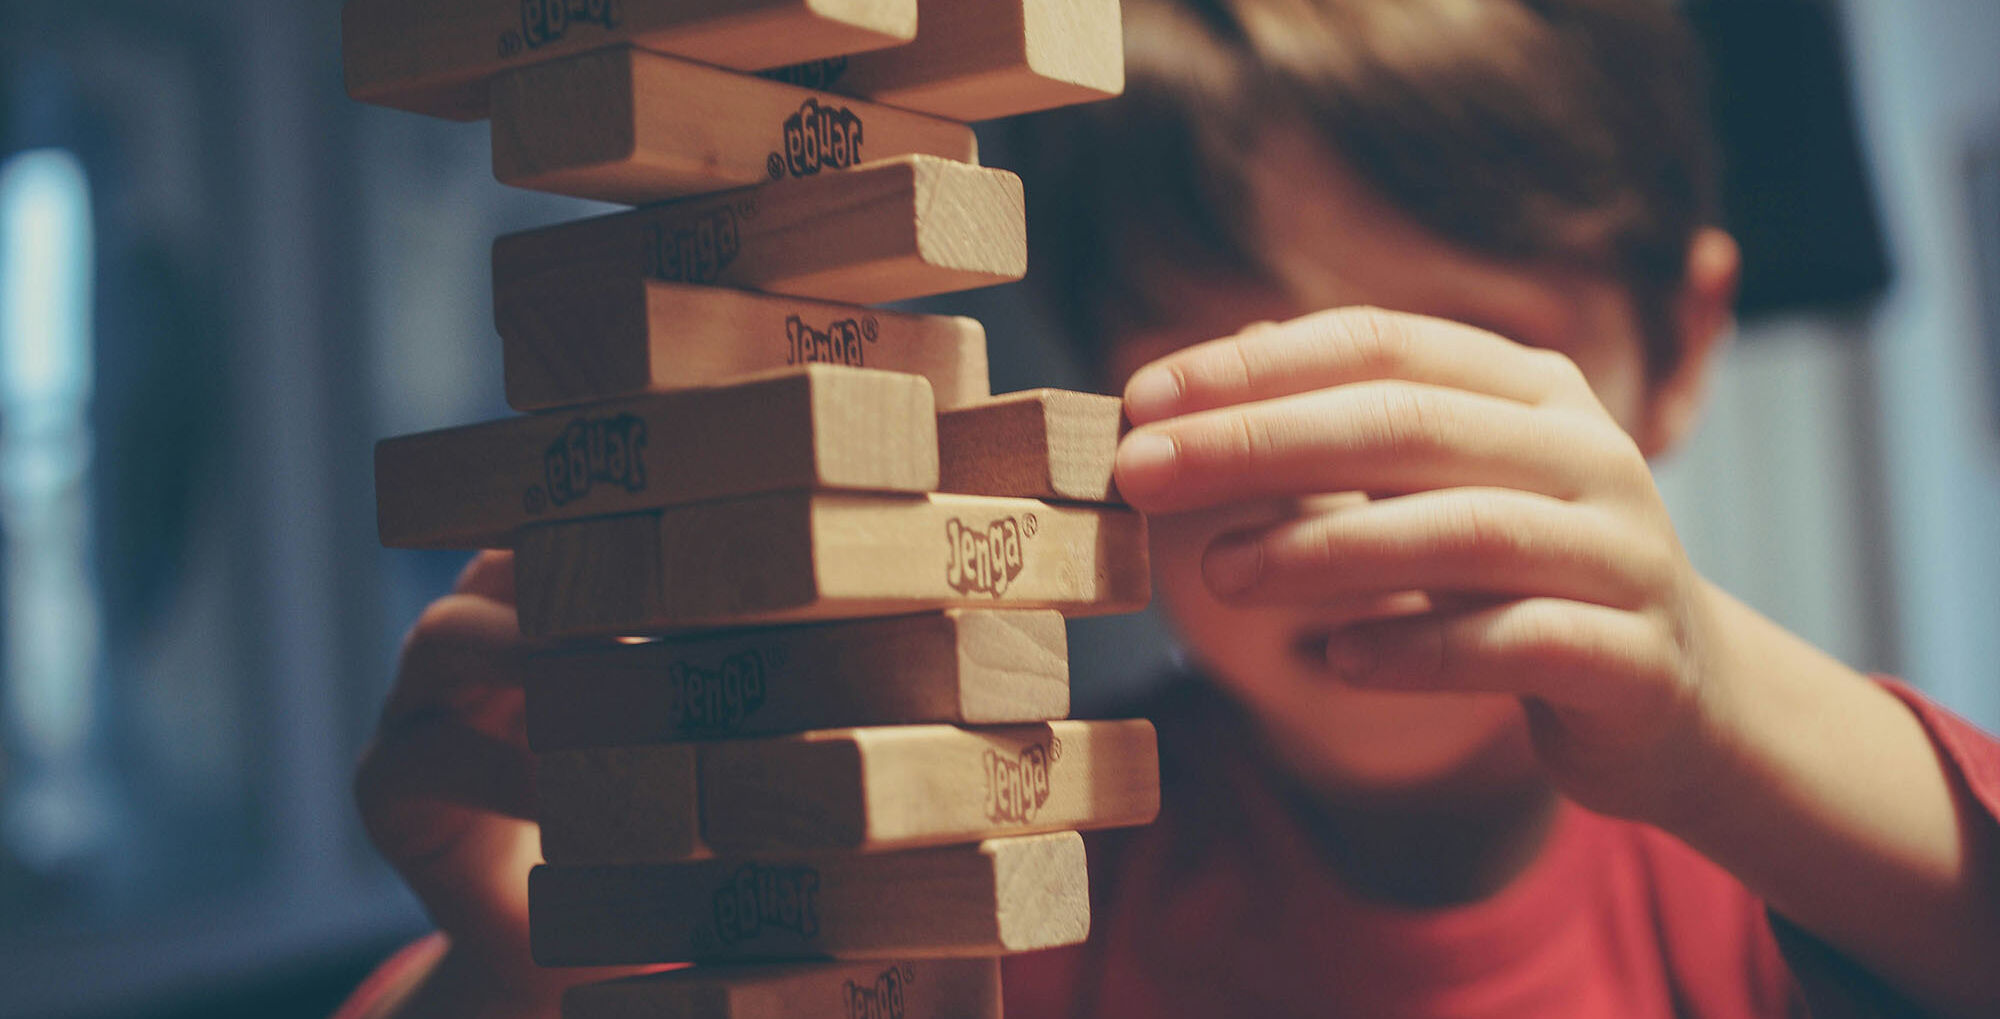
<point x="221" y="282"/>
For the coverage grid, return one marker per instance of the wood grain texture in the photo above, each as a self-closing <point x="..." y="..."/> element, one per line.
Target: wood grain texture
<point x="585" y="338"/>
<point x="626" y="125"/>
<point x="1039" y="444"/>
<point x="796" y="557"/>
<point x="913" y="989"/>
<point x="993" y="898"/>
<point x="889" y="231"/>
<point x="966" y="666"/>
<point x="903" y="787"/>
<point x="437" y="56"/>
<point x="818" y="427"/>
<point x="621" y="803"/>
<point x="981" y="59"/>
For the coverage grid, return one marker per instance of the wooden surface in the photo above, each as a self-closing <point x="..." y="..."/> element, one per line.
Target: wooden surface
<point x="903" y="787"/>
<point x="814" y="427"/>
<point x="436" y="56"/>
<point x="1040" y="444"/>
<point x="805" y="556"/>
<point x="644" y="802"/>
<point x="627" y="125"/>
<point x="966" y="666"/>
<point x="586" y="338"/>
<point x="889" y="231"/>
<point x="916" y="989"/>
<point x="992" y="898"/>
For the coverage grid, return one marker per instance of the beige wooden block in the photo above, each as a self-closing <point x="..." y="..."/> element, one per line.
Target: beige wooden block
<point x="818" y="427"/>
<point x="965" y="666"/>
<point x="981" y="59"/>
<point x="626" y="125"/>
<point x="907" y="786"/>
<point x="620" y="804"/>
<point x="889" y="231"/>
<point x="917" y="989"/>
<point x="436" y="56"/>
<point x="586" y="339"/>
<point x="1040" y="444"/>
<point x="992" y="898"/>
<point x="818" y="556"/>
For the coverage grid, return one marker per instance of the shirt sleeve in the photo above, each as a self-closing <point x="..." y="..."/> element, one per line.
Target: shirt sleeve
<point x="393" y="981"/>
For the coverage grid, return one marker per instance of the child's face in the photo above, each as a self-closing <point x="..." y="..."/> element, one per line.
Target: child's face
<point x="1333" y="243"/>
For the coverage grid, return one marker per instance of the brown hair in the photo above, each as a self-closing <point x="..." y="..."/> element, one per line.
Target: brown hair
<point x="1559" y="131"/>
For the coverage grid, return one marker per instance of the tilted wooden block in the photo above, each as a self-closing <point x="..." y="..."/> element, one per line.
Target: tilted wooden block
<point x="918" y="989"/>
<point x="620" y="804"/>
<point x="436" y="56"/>
<point x="1040" y="444"/>
<point x="888" y="231"/>
<point x="626" y="125"/>
<point x="809" y="556"/>
<point x="816" y="427"/>
<point x="981" y="59"/>
<point x="902" y="787"/>
<point x="587" y="338"/>
<point x="993" y="898"/>
<point x="966" y="666"/>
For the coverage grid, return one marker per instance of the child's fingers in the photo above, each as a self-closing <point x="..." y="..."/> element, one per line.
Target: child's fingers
<point x="1476" y="541"/>
<point x="1339" y="347"/>
<point x="462" y="650"/>
<point x="1369" y="436"/>
<point x="490" y="574"/>
<point x="435" y="759"/>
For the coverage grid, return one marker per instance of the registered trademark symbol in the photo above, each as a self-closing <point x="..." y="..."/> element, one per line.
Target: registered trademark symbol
<point x="774" y="165"/>
<point x="510" y="45"/>
<point x="1055" y="750"/>
<point x="870" y="329"/>
<point x="1030" y="524"/>
<point x="534" y="501"/>
<point x="747" y="208"/>
<point x="909" y="973"/>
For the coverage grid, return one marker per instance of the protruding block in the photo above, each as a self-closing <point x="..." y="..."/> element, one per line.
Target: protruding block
<point x="586" y="338"/>
<point x="626" y="125"/>
<point x="902" y="787"/>
<point x="620" y="804"/>
<point x="815" y="556"/>
<point x="993" y="898"/>
<point x="981" y="59"/>
<point x="1040" y="444"/>
<point x="818" y="427"/>
<point x="967" y="666"/>
<point x="917" y="989"/>
<point x="888" y="231"/>
<point x="436" y="56"/>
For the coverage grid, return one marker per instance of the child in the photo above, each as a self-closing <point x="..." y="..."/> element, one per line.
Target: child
<point x="1479" y="742"/>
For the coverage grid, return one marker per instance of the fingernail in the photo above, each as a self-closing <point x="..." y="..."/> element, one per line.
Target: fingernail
<point x="1145" y="462"/>
<point x="1354" y="656"/>
<point x="1233" y="567"/>
<point x="1152" y="394"/>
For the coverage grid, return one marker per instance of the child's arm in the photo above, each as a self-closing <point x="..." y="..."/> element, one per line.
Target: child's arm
<point x="1650" y="694"/>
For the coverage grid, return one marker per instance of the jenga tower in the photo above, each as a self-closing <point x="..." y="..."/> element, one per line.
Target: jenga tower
<point x="800" y="577"/>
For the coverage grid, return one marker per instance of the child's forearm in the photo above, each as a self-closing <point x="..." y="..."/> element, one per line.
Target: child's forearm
<point x="1827" y="798"/>
<point x="453" y="989"/>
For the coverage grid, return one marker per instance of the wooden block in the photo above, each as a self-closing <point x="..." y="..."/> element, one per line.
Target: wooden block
<point x="993" y="898"/>
<point x="587" y="339"/>
<point x="625" y="125"/>
<point x="966" y="666"/>
<point x="981" y="59"/>
<point x="889" y="231"/>
<point x="436" y="56"/>
<point x="816" y="556"/>
<point x="907" y="786"/>
<point x="918" y="989"/>
<point x="620" y="803"/>
<point x="1041" y="444"/>
<point x="814" y="427"/>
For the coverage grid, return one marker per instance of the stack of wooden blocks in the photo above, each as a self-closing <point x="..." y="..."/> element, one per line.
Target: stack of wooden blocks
<point x="799" y="577"/>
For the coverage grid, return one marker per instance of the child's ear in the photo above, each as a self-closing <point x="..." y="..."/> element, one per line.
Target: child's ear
<point x="1704" y="317"/>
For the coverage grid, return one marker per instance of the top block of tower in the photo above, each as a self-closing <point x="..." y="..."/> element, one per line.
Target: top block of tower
<point x="435" y="56"/>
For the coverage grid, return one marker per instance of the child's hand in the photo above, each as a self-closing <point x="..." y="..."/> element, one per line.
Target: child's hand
<point x="1502" y="489"/>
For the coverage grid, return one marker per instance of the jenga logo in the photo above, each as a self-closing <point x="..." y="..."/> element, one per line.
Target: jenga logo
<point x="986" y="560"/>
<point x="840" y="343"/>
<point x="718" y="699"/>
<point x="757" y="898"/>
<point x="695" y="252"/>
<point x="815" y="74"/>
<point x="881" y="1000"/>
<point x="591" y="451"/>
<point x="548" y="21"/>
<point x="818" y="138"/>
<point x="1017" y="785"/>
